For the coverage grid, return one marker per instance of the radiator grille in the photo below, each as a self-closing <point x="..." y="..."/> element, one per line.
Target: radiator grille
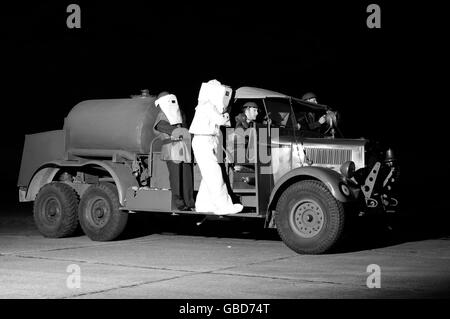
<point x="328" y="156"/>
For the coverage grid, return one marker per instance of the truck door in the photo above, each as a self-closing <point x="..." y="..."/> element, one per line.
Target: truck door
<point x="281" y="135"/>
<point x="274" y="147"/>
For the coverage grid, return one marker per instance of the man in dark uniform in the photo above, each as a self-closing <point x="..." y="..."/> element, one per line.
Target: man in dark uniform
<point x="175" y="151"/>
<point x="308" y="122"/>
<point x="248" y="115"/>
<point x="238" y="141"/>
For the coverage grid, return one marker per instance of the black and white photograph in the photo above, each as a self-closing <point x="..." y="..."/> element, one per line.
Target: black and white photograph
<point x="224" y="156"/>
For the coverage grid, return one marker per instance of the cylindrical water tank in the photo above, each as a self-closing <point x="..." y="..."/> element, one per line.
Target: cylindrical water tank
<point x="115" y="124"/>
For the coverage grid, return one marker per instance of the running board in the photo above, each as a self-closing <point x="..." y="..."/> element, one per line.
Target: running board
<point x="183" y="212"/>
<point x="159" y="200"/>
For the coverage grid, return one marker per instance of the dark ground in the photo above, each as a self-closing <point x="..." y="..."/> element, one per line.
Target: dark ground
<point x="162" y="257"/>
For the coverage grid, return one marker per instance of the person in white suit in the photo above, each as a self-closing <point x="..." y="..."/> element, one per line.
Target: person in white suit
<point x="209" y="116"/>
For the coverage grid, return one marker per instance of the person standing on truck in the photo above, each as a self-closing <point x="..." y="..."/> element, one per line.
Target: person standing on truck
<point x="209" y="115"/>
<point x="170" y="122"/>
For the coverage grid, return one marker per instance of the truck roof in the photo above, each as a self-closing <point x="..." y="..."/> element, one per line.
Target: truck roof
<point x="248" y="92"/>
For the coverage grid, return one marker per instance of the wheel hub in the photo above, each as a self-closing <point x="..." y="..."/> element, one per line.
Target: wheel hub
<point x="308" y="218"/>
<point x="51" y="209"/>
<point x="99" y="211"/>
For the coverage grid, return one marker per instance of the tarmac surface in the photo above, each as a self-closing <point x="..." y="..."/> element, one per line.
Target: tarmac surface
<point x="170" y="257"/>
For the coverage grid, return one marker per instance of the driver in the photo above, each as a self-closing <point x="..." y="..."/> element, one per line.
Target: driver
<point x="308" y="121"/>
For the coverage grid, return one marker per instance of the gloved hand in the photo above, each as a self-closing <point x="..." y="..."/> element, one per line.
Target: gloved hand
<point x="228" y="157"/>
<point x="322" y="119"/>
<point x="226" y="116"/>
<point x="176" y="138"/>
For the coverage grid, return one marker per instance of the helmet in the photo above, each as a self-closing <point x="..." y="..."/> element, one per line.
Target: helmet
<point x="250" y="104"/>
<point x="216" y="93"/>
<point x="163" y="93"/>
<point x="308" y="96"/>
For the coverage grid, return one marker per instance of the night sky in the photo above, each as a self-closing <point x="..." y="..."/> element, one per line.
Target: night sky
<point x="124" y="47"/>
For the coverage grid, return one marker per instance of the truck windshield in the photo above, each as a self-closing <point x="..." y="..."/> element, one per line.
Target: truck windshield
<point x="280" y="112"/>
<point x="306" y="119"/>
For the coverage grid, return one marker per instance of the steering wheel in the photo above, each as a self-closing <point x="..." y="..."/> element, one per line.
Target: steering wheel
<point x="331" y="120"/>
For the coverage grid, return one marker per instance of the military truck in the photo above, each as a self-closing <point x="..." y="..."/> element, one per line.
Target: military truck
<point x="105" y="163"/>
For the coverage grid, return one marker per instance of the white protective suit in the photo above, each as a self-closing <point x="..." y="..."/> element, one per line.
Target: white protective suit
<point x="213" y="194"/>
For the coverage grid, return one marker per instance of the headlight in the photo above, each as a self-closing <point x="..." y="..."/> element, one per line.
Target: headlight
<point x="348" y="169"/>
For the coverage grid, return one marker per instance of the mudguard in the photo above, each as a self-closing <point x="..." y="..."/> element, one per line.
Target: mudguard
<point x="332" y="179"/>
<point x="121" y="174"/>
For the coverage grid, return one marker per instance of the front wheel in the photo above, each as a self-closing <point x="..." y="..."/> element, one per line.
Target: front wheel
<point x="99" y="212"/>
<point x="309" y="219"/>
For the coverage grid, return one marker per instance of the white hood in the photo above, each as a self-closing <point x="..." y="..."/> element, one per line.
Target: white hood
<point x="169" y="105"/>
<point x="217" y="94"/>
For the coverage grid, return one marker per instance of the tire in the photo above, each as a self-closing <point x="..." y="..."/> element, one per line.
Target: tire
<point x="99" y="213"/>
<point x="55" y="210"/>
<point x="308" y="218"/>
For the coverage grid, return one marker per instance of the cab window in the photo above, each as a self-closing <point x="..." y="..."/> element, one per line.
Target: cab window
<point x="280" y="112"/>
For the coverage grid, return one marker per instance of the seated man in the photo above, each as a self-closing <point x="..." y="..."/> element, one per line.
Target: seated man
<point x="307" y="120"/>
<point x="237" y="141"/>
<point x="248" y="115"/>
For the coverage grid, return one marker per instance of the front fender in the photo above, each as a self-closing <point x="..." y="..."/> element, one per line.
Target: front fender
<point x="332" y="179"/>
<point x="329" y="177"/>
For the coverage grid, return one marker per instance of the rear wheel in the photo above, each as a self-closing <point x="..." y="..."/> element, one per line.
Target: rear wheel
<point x="309" y="219"/>
<point x="55" y="210"/>
<point x="99" y="212"/>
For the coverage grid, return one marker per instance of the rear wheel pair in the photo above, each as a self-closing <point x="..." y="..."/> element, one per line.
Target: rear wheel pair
<point x="57" y="211"/>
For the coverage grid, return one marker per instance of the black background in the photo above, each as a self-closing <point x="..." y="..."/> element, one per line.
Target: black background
<point x="123" y="47"/>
